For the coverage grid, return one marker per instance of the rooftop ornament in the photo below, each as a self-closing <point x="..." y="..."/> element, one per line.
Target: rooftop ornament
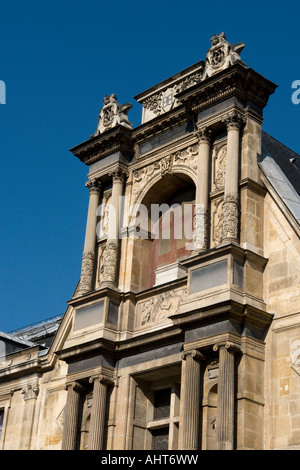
<point x="221" y="55"/>
<point x="112" y="114"/>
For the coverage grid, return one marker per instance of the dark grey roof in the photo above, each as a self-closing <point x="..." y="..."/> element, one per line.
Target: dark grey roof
<point x="276" y="163"/>
<point x="287" y="160"/>
<point x="39" y="333"/>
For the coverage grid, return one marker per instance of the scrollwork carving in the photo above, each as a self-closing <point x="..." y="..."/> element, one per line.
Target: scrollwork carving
<point x="87" y="267"/>
<point x="109" y="263"/>
<point x="230" y="217"/>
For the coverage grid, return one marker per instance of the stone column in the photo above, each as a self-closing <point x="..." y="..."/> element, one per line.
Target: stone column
<point x="88" y="256"/>
<point x="231" y="192"/>
<point x="97" y="425"/>
<point x="69" y="438"/>
<point x="191" y="404"/>
<point x="226" y="397"/>
<point x="30" y="394"/>
<point x="111" y="252"/>
<point x="200" y="242"/>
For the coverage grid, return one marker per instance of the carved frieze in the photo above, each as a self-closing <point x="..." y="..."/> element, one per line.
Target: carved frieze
<point x="160" y="307"/>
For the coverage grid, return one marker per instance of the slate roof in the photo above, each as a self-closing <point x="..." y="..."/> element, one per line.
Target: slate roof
<point x="281" y="166"/>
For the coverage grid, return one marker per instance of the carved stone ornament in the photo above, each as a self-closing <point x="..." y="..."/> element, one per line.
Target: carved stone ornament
<point x="87" y="268"/>
<point x="94" y="186"/>
<point x="234" y="121"/>
<point x="112" y="114"/>
<point x="109" y="263"/>
<point x="230" y="217"/>
<point x="217" y="222"/>
<point x="165" y="100"/>
<point x="30" y="391"/>
<point x="160" y="307"/>
<point x="221" y="55"/>
<point x="200" y="238"/>
<point x="220" y="167"/>
<point x="186" y="157"/>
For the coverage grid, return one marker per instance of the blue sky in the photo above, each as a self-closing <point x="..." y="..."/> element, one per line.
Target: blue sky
<point x="58" y="60"/>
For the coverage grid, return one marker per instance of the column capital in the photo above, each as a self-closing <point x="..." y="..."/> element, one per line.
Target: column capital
<point x="233" y="120"/>
<point x="118" y="176"/>
<point x="102" y="379"/>
<point x="94" y="186"/>
<point x="196" y="355"/>
<point x="76" y="386"/>
<point x="203" y="134"/>
<point x="227" y="345"/>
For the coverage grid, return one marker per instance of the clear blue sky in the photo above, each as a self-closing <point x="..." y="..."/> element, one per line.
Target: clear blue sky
<point x="58" y="60"/>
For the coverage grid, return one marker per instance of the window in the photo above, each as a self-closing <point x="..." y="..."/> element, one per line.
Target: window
<point x="165" y="425"/>
<point x="1" y="421"/>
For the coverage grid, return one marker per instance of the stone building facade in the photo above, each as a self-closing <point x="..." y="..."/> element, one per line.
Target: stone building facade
<point x="183" y="332"/>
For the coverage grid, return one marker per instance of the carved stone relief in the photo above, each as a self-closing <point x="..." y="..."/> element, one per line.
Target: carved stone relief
<point x="217" y="222"/>
<point x="230" y="217"/>
<point x="112" y="114"/>
<point x="86" y="272"/>
<point x="164" y="101"/>
<point x="30" y="391"/>
<point x="186" y="157"/>
<point x="219" y="170"/>
<point x="159" y="307"/>
<point x="200" y="228"/>
<point x="109" y="263"/>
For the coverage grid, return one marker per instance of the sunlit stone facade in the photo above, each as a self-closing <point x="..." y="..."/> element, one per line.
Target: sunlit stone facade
<point x="187" y="342"/>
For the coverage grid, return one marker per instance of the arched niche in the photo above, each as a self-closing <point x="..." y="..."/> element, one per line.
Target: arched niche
<point x="163" y="245"/>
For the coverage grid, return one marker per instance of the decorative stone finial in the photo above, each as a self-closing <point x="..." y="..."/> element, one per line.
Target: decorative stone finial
<point x="112" y="114"/>
<point x="221" y="55"/>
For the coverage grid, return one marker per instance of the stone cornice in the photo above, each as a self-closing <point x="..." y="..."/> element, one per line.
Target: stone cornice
<point x="236" y="81"/>
<point x="111" y="141"/>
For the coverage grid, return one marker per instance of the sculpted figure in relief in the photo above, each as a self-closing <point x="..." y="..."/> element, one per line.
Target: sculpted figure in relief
<point x="221" y="55"/>
<point x="112" y="114"/>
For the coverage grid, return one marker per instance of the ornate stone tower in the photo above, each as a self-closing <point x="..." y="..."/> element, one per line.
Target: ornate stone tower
<point x="176" y="334"/>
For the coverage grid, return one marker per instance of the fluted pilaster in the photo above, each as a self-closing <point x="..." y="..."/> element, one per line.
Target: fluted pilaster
<point x="71" y="416"/>
<point x="97" y="426"/>
<point x="191" y="405"/>
<point x="226" y="397"/>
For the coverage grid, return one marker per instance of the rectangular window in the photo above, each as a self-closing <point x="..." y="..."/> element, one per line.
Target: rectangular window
<point x="160" y="439"/>
<point x="1" y="421"/>
<point x="162" y="399"/>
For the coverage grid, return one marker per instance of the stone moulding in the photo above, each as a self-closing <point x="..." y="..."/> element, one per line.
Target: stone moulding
<point x="236" y="81"/>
